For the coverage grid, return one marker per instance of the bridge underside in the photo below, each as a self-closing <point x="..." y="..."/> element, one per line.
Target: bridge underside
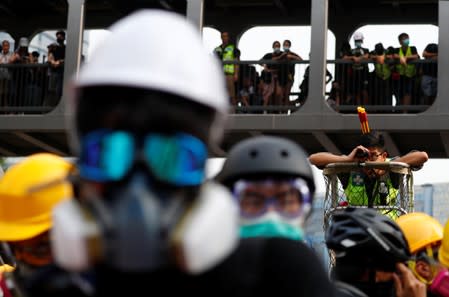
<point x="436" y="144"/>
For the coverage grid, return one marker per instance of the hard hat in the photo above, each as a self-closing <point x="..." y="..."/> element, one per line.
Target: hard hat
<point x="28" y="192"/>
<point x="420" y="230"/>
<point x="6" y="268"/>
<point x="443" y="252"/>
<point x="140" y="53"/>
<point x="358" y="36"/>
<point x="363" y="235"/>
<point x="266" y="155"/>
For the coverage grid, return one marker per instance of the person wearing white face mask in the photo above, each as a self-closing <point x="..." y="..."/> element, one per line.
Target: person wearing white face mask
<point x="405" y="54"/>
<point x="288" y="55"/>
<point x="358" y="80"/>
<point x="273" y="83"/>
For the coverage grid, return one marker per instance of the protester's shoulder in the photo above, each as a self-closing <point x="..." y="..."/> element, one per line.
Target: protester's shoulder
<point x="51" y="280"/>
<point x="267" y="56"/>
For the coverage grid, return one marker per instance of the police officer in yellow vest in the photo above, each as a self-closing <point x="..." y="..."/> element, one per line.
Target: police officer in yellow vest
<point x="229" y="52"/>
<point x="405" y="54"/>
<point x="369" y="187"/>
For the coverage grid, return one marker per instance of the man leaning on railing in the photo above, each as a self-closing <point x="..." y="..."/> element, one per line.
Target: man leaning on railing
<point x="369" y="186"/>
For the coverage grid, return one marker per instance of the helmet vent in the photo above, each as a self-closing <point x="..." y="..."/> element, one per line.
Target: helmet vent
<point x="253" y="153"/>
<point x="284" y="153"/>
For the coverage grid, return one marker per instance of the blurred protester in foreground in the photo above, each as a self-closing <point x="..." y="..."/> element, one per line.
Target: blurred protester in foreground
<point x="424" y="235"/>
<point x="272" y="181"/>
<point x="144" y="217"/>
<point x="28" y="192"/>
<point x="370" y="251"/>
<point x="443" y="257"/>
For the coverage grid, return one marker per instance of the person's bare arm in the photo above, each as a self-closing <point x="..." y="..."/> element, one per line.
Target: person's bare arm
<point x="415" y="158"/>
<point x="324" y="158"/>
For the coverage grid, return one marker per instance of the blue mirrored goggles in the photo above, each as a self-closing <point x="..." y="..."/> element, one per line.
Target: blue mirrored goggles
<point x="108" y="155"/>
<point x="291" y="198"/>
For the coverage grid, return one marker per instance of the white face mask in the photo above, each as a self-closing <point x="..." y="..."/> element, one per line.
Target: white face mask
<point x="286" y="48"/>
<point x="205" y="236"/>
<point x="276" y="49"/>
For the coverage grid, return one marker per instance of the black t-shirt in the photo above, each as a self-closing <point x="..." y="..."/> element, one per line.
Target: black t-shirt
<point x="258" y="267"/>
<point x="359" y="52"/>
<point x="281" y="69"/>
<point x="431" y="68"/>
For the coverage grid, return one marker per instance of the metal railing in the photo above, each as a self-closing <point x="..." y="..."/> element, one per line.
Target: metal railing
<point x="284" y="87"/>
<point x="386" y="186"/>
<point x="29" y="88"/>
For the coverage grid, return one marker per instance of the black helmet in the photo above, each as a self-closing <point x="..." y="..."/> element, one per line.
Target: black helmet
<point x="363" y="236"/>
<point x="266" y="155"/>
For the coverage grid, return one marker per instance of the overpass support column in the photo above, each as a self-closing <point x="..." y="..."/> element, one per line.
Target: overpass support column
<point x="195" y="12"/>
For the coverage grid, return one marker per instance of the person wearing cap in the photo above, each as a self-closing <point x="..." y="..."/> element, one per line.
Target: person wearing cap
<point x="358" y="81"/>
<point x="372" y="186"/>
<point x="273" y="183"/>
<point x="424" y="235"/>
<point x="381" y="92"/>
<point x="22" y="54"/>
<point x="29" y="190"/>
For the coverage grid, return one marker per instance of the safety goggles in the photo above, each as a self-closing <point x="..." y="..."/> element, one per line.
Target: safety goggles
<point x="108" y="155"/>
<point x="290" y="198"/>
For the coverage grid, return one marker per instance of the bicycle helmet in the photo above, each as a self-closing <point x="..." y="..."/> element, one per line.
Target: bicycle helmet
<point x="362" y="236"/>
<point x="266" y="156"/>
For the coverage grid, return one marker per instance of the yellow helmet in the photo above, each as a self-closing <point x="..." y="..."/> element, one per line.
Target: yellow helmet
<point x="443" y="253"/>
<point x="420" y="230"/>
<point x="28" y="192"/>
<point x="6" y="268"/>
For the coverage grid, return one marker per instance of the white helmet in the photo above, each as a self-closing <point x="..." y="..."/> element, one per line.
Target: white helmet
<point x="145" y="50"/>
<point x="155" y="50"/>
<point x="358" y="36"/>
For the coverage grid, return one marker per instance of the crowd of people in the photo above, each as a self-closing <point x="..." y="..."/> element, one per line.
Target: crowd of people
<point x="398" y="72"/>
<point x="136" y="214"/>
<point x="398" y="78"/>
<point x="27" y="81"/>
